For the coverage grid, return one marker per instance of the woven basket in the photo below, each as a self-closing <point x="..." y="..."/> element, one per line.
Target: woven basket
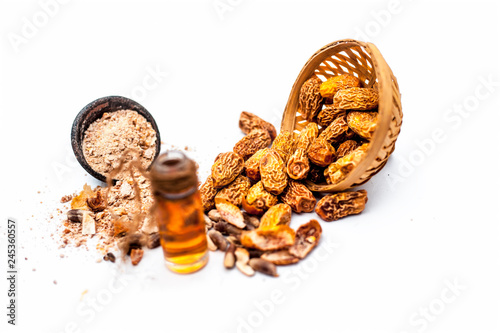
<point x="365" y="61"/>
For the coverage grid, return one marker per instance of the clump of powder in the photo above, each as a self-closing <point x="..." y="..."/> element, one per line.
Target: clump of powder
<point x="122" y="204"/>
<point x="107" y="139"/>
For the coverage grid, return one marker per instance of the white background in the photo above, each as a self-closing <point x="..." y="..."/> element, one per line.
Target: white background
<point x="431" y="220"/>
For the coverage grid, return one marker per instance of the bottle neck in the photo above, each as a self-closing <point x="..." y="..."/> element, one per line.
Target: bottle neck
<point x="173" y="176"/>
<point x="175" y="196"/>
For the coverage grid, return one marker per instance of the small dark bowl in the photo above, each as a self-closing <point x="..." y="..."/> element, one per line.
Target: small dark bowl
<point x="94" y="111"/>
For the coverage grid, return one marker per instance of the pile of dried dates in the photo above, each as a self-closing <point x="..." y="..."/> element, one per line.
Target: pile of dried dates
<point x="264" y="173"/>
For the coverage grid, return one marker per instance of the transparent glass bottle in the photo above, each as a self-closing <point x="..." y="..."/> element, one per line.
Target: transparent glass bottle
<point x="179" y="212"/>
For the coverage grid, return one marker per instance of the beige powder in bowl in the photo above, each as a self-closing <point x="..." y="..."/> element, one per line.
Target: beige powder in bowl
<point x="115" y="133"/>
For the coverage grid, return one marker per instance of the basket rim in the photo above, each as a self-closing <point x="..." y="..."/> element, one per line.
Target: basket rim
<point x="383" y="75"/>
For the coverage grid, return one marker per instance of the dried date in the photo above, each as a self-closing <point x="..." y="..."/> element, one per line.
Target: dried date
<point x="336" y="130"/>
<point x="316" y="174"/>
<point x="207" y="193"/>
<point x="346" y="147"/>
<point x="298" y="164"/>
<point x="310" y="99"/>
<point x="236" y="191"/>
<point x="362" y="123"/>
<point x="258" y="200"/>
<point x="361" y="99"/>
<point x="307" y="136"/>
<point x="226" y="168"/>
<point x="249" y="121"/>
<point x="298" y="197"/>
<point x="252" y="142"/>
<point x="283" y="144"/>
<point x="330" y="87"/>
<point x="321" y="152"/>
<point x="252" y="165"/>
<point x="335" y="206"/>
<point x="272" y="172"/>
<point x="328" y="115"/>
<point x="339" y="170"/>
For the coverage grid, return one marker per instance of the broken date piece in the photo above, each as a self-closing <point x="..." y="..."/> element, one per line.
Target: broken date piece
<point x="282" y="257"/>
<point x="276" y="238"/>
<point x="280" y="214"/>
<point x="80" y="201"/>
<point x="136" y="256"/>
<point x="88" y="224"/>
<point x="306" y="239"/>
<point x="230" y="213"/>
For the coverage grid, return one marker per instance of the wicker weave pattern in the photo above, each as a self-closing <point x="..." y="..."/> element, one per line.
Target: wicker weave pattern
<point x="364" y="61"/>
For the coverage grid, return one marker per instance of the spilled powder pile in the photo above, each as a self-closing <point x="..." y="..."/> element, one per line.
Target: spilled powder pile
<point x="125" y="212"/>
